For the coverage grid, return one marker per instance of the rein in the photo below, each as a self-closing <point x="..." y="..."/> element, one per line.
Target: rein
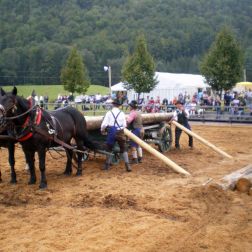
<point x="7" y="138"/>
<point x="21" y="115"/>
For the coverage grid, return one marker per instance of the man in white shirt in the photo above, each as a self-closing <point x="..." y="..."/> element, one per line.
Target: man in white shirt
<point x="114" y="122"/>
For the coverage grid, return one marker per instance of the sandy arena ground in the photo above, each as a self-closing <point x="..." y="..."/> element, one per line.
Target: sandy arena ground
<point x="149" y="209"/>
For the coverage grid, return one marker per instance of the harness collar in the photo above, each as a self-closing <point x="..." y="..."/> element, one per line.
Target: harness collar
<point x="27" y="122"/>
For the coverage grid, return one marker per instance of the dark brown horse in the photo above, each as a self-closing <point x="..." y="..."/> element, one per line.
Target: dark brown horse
<point x="37" y="130"/>
<point x="10" y="145"/>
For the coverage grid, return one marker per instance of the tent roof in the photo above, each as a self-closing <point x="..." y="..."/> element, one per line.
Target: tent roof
<point x="244" y="84"/>
<point x="172" y="81"/>
<point x="176" y="81"/>
<point x="118" y="87"/>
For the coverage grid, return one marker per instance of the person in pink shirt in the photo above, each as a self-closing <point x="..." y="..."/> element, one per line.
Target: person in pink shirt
<point x="134" y="123"/>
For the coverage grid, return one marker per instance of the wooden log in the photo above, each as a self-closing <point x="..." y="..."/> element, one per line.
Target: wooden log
<point x="94" y="122"/>
<point x="229" y="181"/>
<point x="154" y="152"/>
<point x="204" y="141"/>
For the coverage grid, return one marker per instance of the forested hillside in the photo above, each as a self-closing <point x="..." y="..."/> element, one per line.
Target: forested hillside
<point x="36" y="35"/>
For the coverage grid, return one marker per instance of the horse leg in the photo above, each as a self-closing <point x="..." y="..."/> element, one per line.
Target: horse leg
<point x="11" y="151"/>
<point x="42" y="156"/>
<point x="68" y="170"/>
<point x="79" y="156"/>
<point x="29" y="156"/>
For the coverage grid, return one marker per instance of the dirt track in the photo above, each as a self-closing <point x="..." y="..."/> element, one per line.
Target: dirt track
<point x="149" y="209"/>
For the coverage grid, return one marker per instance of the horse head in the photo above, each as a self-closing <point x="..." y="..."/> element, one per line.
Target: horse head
<point x="8" y="106"/>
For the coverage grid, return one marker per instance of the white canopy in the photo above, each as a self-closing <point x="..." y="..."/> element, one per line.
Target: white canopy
<point x="177" y="81"/>
<point x="170" y="85"/>
<point x="118" y="87"/>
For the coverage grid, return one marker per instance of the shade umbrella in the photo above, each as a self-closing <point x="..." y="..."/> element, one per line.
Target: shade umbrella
<point x="245" y="84"/>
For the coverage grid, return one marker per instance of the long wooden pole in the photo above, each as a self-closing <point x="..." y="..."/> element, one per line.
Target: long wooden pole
<point x="154" y="152"/>
<point x="204" y="141"/>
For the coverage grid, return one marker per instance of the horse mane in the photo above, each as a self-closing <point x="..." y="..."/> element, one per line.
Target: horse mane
<point x="23" y="103"/>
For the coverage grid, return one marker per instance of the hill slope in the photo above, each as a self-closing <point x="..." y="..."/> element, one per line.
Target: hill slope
<point x="36" y="35"/>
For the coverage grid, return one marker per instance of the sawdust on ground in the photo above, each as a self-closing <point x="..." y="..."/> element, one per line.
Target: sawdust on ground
<point x="150" y="209"/>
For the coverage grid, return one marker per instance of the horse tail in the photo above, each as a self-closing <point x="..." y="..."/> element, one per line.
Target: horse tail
<point x="89" y="143"/>
<point x="81" y="128"/>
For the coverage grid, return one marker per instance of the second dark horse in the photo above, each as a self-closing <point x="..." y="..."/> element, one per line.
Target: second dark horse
<point x="10" y="145"/>
<point x="37" y="129"/>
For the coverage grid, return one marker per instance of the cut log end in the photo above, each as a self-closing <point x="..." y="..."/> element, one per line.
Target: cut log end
<point x="243" y="185"/>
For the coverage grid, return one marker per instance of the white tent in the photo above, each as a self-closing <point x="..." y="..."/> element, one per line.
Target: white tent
<point x="118" y="87"/>
<point x="171" y="85"/>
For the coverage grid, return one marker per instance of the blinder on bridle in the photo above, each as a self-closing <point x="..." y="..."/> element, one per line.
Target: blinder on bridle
<point x="2" y="110"/>
<point x="2" y="117"/>
<point x="12" y="108"/>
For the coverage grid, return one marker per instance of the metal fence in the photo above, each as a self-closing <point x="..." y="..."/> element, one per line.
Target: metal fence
<point x="242" y="114"/>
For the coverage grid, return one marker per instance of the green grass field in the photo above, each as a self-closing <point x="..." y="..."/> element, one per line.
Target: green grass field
<point x="53" y="90"/>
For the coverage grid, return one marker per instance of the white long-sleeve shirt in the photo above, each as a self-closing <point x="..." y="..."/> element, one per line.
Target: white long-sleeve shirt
<point x="176" y="112"/>
<point x="109" y="119"/>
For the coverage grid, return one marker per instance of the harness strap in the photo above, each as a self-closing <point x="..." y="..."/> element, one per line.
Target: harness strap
<point x="55" y="139"/>
<point x="37" y="122"/>
<point x="115" y="117"/>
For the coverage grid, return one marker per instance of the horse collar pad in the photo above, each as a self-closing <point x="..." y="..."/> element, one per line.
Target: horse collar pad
<point x="37" y="121"/>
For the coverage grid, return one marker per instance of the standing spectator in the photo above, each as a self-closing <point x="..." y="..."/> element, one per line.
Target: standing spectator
<point x="181" y="116"/>
<point x="35" y="97"/>
<point x="217" y="104"/>
<point x="181" y="98"/>
<point x="115" y="122"/>
<point x="227" y="100"/>
<point x="134" y="122"/>
<point x="235" y="105"/>
<point x="41" y="101"/>
<point x="205" y="98"/>
<point x="98" y="100"/>
<point x="46" y="100"/>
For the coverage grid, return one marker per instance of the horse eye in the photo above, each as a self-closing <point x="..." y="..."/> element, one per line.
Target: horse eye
<point x="14" y="109"/>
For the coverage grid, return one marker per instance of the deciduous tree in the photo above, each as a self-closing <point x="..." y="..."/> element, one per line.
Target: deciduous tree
<point x="139" y="69"/>
<point x="223" y="64"/>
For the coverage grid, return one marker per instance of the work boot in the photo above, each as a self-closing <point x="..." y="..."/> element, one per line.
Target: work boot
<point x="105" y="167"/>
<point x="128" y="168"/>
<point x="140" y="160"/>
<point x="134" y="161"/>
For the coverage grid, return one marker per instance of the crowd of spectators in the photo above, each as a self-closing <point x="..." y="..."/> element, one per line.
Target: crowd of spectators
<point x="232" y="102"/>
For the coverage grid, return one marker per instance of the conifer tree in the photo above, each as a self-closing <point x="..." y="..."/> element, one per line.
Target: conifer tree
<point x="74" y="75"/>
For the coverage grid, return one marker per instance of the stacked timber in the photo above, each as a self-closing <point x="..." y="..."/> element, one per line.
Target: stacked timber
<point x="94" y="122"/>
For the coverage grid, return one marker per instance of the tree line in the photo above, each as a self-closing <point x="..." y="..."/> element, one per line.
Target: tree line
<point x="38" y="35"/>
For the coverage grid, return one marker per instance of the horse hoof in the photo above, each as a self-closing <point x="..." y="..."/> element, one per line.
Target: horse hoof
<point x="67" y="172"/>
<point x="32" y="182"/>
<point x="43" y="186"/>
<point x="78" y="173"/>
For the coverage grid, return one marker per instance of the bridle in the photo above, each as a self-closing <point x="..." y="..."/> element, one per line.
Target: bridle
<point x="6" y="121"/>
<point x="20" y="115"/>
<point x="2" y="110"/>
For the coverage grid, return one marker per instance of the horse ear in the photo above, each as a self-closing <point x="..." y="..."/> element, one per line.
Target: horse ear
<point x="14" y="91"/>
<point x="2" y="92"/>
